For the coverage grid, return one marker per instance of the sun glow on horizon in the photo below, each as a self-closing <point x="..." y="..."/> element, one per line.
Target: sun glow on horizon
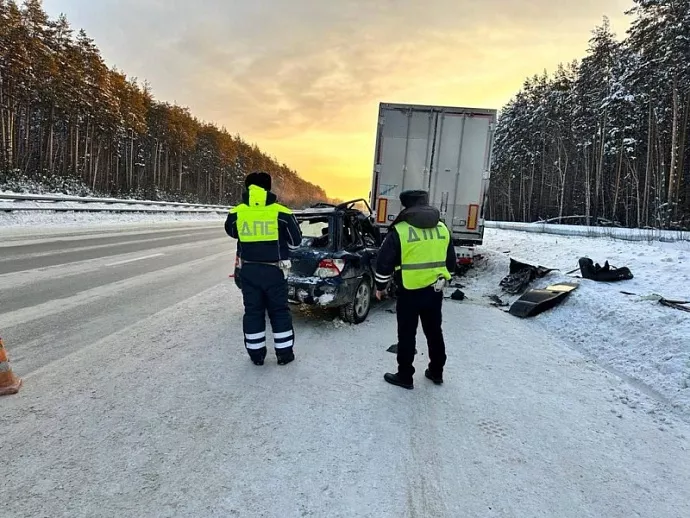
<point x="305" y="83"/>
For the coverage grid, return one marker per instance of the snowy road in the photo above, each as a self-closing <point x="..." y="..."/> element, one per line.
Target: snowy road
<point x="139" y="401"/>
<point x="64" y="290"/>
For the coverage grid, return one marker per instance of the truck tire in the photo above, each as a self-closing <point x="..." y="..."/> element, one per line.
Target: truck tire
<point x="357" y="310"/>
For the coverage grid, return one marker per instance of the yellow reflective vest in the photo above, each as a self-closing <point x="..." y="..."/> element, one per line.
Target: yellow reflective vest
<point x="423" y="254"/>
<point x="256" y="221"/>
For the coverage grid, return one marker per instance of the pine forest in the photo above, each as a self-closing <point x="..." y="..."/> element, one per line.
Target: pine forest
<point x="604" y="140"/>
<point x="66" y="119"/>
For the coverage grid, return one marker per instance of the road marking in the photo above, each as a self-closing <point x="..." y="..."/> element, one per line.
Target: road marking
<point x="82" y="298"/>
<point x="135" y="259"/>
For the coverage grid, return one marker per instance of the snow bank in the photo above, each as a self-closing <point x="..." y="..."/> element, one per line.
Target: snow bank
<point x="78" y="219"/>
<point x="630" y="334"/>
<point x="626" y="234"/>
<point x="19" y="218"/>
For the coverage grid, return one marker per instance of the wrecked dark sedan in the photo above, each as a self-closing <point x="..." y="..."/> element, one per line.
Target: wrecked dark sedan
<point x="334" y="265"/>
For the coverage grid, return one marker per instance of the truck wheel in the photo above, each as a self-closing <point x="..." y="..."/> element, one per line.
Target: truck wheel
<point x="357" y="310"/>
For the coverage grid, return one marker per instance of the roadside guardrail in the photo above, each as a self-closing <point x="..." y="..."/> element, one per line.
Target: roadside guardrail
<point x="47" y="202"/>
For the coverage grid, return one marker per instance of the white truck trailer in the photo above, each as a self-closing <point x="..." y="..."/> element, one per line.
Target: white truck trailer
<point x="440" y="149"/>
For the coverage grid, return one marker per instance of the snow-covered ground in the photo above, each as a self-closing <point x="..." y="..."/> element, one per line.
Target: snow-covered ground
<point x="19" y="220"/>
<point x="626" y="234"/>
<point x="632" y="335"/>
<point x="31" y="218"/>
<point x="139" y="400"/>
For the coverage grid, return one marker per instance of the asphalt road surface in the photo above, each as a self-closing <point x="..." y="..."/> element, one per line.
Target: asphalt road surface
<point x="60" y="292"/>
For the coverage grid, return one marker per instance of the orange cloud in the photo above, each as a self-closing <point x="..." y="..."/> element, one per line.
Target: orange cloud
<point x="303" y="79"/>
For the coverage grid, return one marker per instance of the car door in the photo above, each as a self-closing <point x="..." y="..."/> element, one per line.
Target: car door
<point x="372" y="243"/>
<point x="352" y="247"/>
<point x="364" y="246"/>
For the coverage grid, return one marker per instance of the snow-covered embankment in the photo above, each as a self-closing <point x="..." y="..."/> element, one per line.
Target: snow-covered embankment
<point x="631" y="334"/>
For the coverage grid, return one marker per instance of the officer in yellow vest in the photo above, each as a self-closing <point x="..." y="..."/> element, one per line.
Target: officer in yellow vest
<point x="266" y="232"/>
<point x="418" y="254"/>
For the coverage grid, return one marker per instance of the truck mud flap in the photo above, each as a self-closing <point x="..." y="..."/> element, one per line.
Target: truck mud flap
<point x="536" y="301"/>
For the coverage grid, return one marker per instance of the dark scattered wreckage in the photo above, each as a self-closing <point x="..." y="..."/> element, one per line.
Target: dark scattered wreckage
<point x="521" y="275"/>
<point x="533" y="301"/>
<point x="606" y="273"/>
<point x="681" y="305"/>
<point x="536" y="301"/>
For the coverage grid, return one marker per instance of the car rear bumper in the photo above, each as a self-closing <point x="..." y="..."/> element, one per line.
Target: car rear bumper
<point x="327" y="293"/>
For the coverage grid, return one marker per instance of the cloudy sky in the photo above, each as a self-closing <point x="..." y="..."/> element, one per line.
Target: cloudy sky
<point x="303" y="78"/>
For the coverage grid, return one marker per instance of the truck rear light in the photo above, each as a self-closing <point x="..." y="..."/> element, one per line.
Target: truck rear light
<point x="382" y="210"/>
<point x="330" y="268"/>
<point x="472" y="217"/>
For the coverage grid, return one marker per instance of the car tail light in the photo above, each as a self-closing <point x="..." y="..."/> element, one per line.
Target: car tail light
<point x="330" y="268"/>
<point x="464" y="260"/>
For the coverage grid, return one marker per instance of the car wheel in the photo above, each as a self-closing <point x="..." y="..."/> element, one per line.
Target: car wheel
<point x="357" y="310"/>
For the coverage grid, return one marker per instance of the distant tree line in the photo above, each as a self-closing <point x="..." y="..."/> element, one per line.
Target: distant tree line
<point x="64" y="113"/>
<point x="604" y="139"/>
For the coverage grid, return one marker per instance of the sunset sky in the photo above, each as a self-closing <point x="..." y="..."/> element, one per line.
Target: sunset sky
<point x="303" y="78"/>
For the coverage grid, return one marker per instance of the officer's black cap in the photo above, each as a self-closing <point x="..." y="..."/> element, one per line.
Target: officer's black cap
<point x="260" y="179"/>
<point x="414" y="198"/>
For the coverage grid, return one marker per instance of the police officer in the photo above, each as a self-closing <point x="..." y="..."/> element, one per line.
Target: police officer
<point x="266" y="232"/>
<point x="418" y="253"/>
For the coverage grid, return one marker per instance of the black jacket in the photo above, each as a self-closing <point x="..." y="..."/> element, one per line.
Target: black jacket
<point x="289" y="236"/>
<point x="390" y="256"/>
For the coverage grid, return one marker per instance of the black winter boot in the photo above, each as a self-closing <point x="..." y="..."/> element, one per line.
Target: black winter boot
<point x="438" y="380"/>
<point x="395" y="379"/>
<point x="286" y="358"/>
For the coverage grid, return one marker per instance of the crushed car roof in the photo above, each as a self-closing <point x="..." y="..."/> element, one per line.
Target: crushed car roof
<point x="324" y="209"/>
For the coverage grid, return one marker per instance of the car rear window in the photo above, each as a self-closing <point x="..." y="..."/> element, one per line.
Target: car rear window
<point x="314" y="231"/>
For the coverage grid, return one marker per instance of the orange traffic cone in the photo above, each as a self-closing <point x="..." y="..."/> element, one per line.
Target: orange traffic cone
<point x="9" y="383"/>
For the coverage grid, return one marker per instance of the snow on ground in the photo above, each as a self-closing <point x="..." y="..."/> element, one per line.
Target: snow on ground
<point x="627" y="234"/>
<point x="169" y="418"/>
<point x="29" y="218"/>
<point x="19" y="220"/>
<point x="630" y="334"/>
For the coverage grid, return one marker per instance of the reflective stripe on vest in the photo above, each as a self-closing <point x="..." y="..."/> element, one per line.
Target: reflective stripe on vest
<point x="256" y="221"/>
<point x="423" y="254"/>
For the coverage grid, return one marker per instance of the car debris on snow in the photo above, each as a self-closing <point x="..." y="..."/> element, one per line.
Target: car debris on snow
<point x="521" y="275"/>
<point x="606" y="273"/>
<point x="649" y="345"/>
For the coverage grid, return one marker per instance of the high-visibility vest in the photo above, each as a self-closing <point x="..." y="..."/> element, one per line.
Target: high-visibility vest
<point x="256" y="221"/>
<point x="423" y="254"/>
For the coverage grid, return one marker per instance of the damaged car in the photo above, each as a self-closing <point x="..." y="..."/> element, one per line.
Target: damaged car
<point x="334" y="265"/>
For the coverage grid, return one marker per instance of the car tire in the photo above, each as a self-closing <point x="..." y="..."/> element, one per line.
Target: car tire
<point x="357" y="310"/>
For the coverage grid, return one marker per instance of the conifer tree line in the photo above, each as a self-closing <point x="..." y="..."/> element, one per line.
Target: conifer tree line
<point x="64" y="113"/>
<point x="603" y="140"/>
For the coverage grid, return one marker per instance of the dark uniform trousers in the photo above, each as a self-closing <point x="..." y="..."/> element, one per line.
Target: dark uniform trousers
<point x="413" y="306"/>
<point x="265" y="289"/>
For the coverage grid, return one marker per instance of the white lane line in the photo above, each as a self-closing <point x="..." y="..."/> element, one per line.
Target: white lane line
<point x="56" y="306"/>
<point x="63" y="251"/>
<point x="135" y="259"/>
<point x="15" y="280"/>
